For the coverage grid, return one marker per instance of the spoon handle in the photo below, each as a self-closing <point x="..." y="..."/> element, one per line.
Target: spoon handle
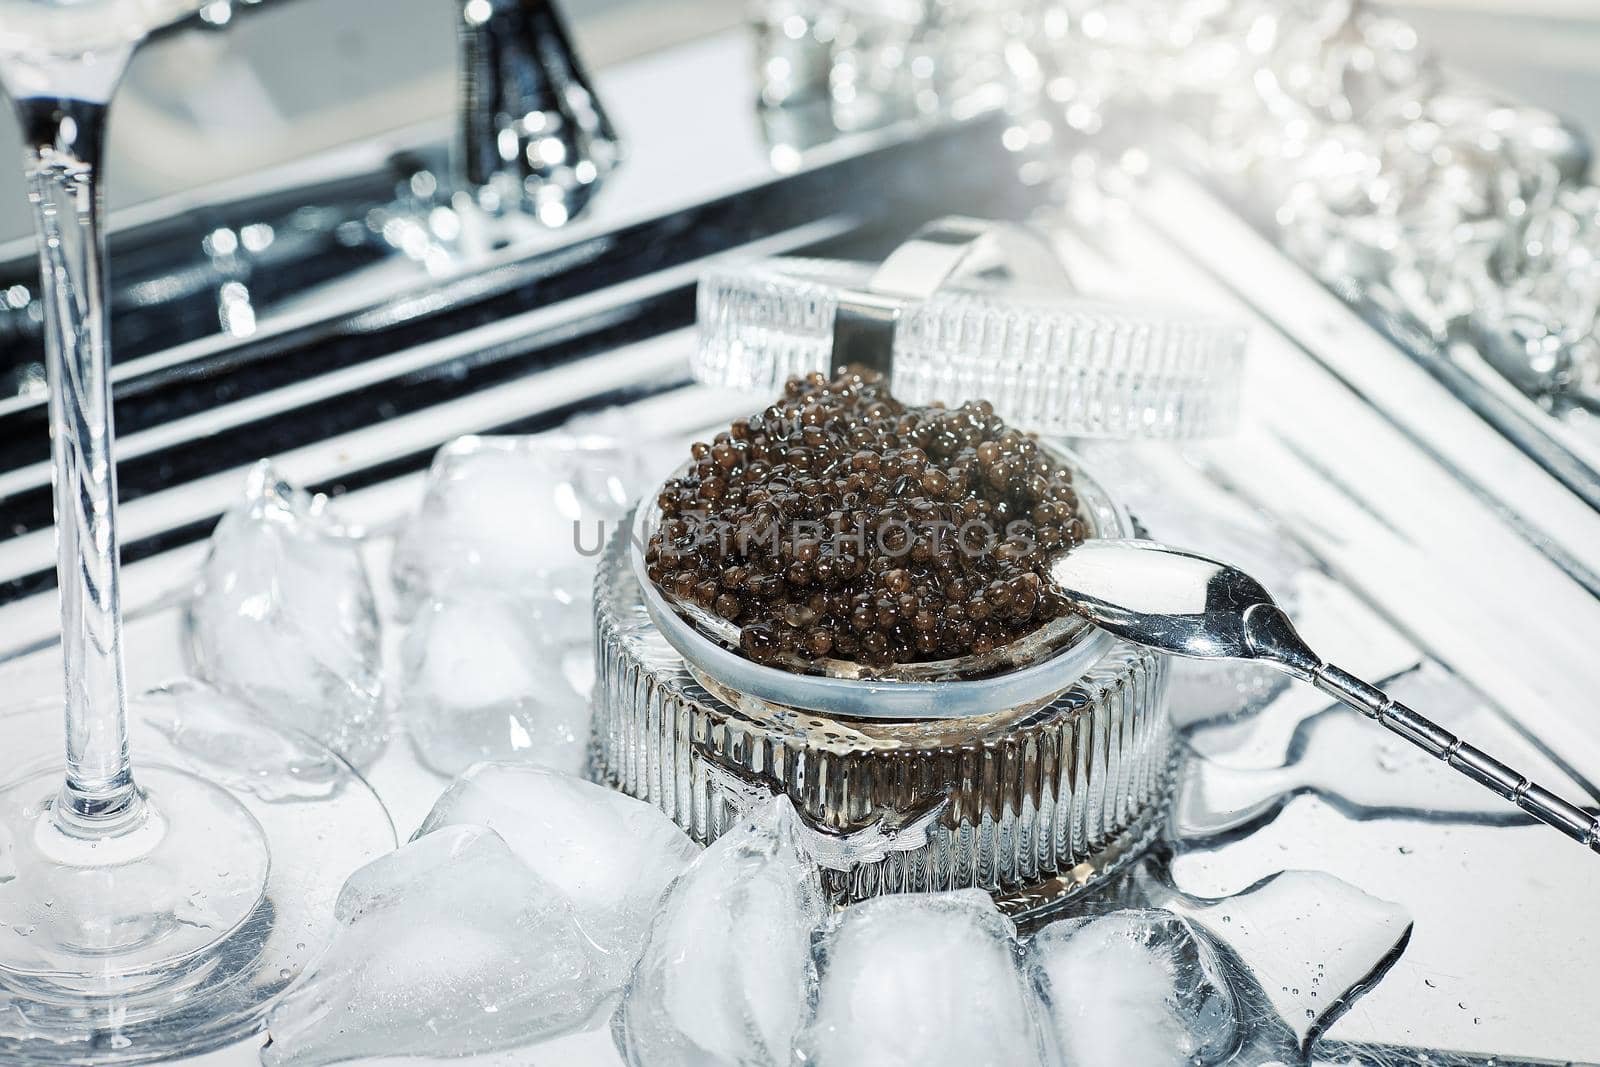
<point x="1476" y="764"/>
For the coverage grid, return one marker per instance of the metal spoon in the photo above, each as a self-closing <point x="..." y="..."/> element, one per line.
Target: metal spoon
<point x="1188" y="605"/>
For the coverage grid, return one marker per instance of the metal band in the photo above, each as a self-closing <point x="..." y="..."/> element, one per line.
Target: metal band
<point x="863" y="332"/>
<point x="944" y="251"/>
<point x="954" y="247"/>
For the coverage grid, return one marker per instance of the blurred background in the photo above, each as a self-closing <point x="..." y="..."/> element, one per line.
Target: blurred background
<point x="294" y="77"/>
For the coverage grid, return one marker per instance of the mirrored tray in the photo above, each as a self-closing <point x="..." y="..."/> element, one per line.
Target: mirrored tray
<point x="1417" y="545"/>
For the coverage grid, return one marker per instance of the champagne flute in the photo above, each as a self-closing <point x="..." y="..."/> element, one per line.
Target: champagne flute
<point x="135" y="909"/>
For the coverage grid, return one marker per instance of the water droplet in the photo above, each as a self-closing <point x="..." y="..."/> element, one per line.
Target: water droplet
<point x="1310" y="1014"/>
<point x="1429" y="983"/>
<point x="1405" y="850"/>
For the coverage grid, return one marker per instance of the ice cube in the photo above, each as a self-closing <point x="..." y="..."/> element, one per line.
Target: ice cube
<point x="922" y="979"/>
<point x="283" y="618"/>
<point x="1133" y="987"/>
<point x="520" y="516"/>
<point x="483" y="680"/>
<point x="661" y="443"/>
<point x="609" y="856"/>
<point x="1311" y="942"/>
<point x="833" y="850"/>
<point x="726" y="976"/>
<point x="448" y="946"/>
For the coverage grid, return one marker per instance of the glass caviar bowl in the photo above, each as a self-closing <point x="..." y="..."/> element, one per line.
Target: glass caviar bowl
<point x="1028" y="772"/>
<point x="1027" y="670"/>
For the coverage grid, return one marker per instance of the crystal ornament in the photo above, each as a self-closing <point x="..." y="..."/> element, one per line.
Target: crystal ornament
<point x="1401" y="190"/>
<point x="534" y="136"/>
<point x="867" y="63"/>
<point x="1429" y="204"/>
<point x="1537" y="317"/>
<point x="794" y="58"/>
<point x="1436" y="190"/>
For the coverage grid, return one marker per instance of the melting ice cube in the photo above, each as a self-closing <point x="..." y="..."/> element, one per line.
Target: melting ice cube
<point x="483" y="680"/>
<point x="446" y="947"/>
<point x="726" y="977"/>
<point x="1132" y="987"/>
<point x="922" y="979"/>
<point x="519" y="516"/>
<point x="1304" y="942"/>
<point x="610" y="857"/>
<point x="283" y="618"/>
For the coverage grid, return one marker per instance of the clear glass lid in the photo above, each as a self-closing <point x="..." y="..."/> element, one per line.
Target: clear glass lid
<point x="1050" y="361"/>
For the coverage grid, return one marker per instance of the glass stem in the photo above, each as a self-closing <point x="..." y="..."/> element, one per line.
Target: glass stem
<point x="64" y="140"/>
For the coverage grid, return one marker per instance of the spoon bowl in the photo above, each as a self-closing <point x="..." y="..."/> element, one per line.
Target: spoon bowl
<point x="1178" y="602"/>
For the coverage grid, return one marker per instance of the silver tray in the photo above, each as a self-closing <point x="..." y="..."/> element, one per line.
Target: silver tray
<point x="1432" y="549"/>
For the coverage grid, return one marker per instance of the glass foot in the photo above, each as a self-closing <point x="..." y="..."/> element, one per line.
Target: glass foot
<point x="172" y="936"/>
<point x="82" y="913"/>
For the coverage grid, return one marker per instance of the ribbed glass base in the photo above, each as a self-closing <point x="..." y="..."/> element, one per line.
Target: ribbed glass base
<point x="1038" y="800"/>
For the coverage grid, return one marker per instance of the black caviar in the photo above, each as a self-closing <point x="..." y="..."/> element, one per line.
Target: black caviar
<point x="841" y="523"/>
